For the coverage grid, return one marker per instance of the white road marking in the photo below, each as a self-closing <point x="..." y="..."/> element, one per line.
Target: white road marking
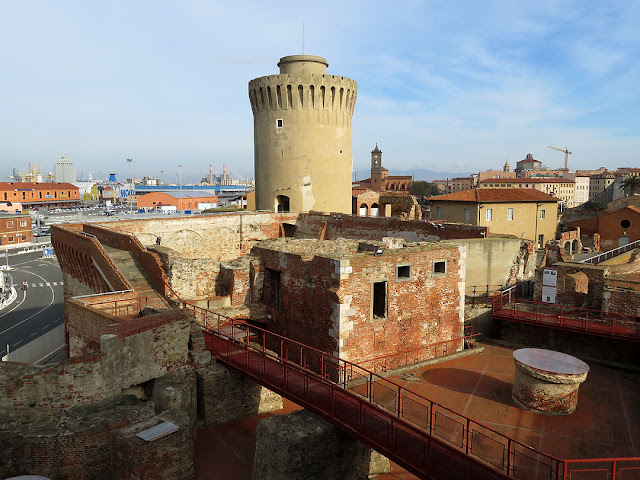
<point x="45" y="327"/>
<point x="48" y="284"/>
<point x="32" y="334"/>
<point x="33" y="284"/>
<point x="40" y="285"/>
<point x="55" y="284"/>
<point x="53" y="297"/>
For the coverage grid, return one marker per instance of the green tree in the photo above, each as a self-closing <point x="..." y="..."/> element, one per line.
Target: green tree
<point x="630" y="184"/>
<point x="421" y="188"/>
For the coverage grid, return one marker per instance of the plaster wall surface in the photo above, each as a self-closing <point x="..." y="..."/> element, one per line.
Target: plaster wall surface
<point x="303" y="136"/>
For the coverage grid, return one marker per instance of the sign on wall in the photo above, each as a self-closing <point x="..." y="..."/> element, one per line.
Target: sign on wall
<point x="549" y="282"/>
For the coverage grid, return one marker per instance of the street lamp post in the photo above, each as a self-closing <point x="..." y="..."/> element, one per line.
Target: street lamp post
<point x="180" y="183"/>
<point x="130" y="161"/>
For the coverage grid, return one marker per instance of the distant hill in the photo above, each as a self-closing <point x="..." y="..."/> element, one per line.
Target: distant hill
<point x="428" y="175"/>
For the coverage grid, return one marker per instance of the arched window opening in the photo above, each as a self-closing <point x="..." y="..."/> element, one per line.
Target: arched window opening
<point x="282" y="204"/>
<point x="363" y="210"/>
<point x="301" y="95"/>
<point x="312" y="93"/>
<point x="269" y="97"/>
<point x="289" y="97"/>
<point x="374" y="210"/>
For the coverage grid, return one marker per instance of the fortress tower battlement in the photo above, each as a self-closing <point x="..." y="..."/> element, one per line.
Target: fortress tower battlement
<point x="303" y="137"/>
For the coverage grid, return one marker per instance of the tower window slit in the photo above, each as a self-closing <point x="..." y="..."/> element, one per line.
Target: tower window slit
<point x="341" y="98"/>
<point x="312" y="93"/>
<point x="301" y="95"/>
<point x="279" y="97"/>
<point x="269" y="98"/>
<point x="322" y="95"/>
<point x="289" y="97"/>
<point x="333" y="98"/>
<point x="262" y="104"/>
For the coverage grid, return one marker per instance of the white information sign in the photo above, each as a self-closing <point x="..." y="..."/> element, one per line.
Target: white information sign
<point x="549" y="277"/>
<point x="549" y="294"/>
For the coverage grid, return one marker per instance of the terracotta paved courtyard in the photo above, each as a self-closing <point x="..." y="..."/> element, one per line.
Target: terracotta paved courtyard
<point x="605" y="424"/>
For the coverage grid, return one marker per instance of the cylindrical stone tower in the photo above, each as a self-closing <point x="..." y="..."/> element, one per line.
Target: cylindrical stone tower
<point x="302" y="137"/>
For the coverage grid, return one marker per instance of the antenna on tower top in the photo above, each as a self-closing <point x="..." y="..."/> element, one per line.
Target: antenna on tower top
<point x="302" y="38"/>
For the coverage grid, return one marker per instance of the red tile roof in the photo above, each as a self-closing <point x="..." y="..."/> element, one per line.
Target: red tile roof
<point x="36" y="186"/>
<point x="496" y="195"/>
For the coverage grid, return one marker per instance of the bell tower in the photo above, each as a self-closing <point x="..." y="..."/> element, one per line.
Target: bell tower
<point x="378" y="172"/>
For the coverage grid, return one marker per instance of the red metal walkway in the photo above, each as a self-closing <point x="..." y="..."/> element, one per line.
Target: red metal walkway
<point x="424" y="437"/>
<point x="505" y="306"/>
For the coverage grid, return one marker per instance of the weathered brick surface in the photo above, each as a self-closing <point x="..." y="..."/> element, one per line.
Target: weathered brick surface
<point x="302" y="445"/>
<point x="327" y="294"/>
<point x="354" y="227"/>
<point x="81" y="257"/>
<point x="224" y="396"/>
<point x="167" y="458"/>
<point x="29" y="392"/>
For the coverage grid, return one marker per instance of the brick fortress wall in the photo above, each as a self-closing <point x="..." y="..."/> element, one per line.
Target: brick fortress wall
<point x="61" y="420"/>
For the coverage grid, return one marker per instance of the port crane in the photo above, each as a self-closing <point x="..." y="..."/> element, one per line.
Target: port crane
<point x="566" y="156"/>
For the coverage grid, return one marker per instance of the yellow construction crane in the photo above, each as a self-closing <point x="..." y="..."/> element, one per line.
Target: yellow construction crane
<point x="566" y="156"/>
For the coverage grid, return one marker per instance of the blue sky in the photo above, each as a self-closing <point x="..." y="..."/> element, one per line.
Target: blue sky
<point x="446" y="86"/>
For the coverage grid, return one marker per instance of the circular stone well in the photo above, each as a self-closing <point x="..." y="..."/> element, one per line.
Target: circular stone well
<point x="547" y="382"/>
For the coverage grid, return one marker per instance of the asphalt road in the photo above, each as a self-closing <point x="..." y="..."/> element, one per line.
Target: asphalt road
<point x="36" y="310"/>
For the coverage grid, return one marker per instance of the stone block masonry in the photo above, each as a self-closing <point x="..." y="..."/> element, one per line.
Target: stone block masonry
<point x="224" y="396"/>
<point x="301" y="446"/>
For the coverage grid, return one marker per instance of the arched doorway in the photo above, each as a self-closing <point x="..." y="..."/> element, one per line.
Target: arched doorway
<point x="282" y="204"/>
<point x="374" y="210"/>
<point x="575" y="247"/>
<point x="363" y="210"/>
<point x="567" y="248"/>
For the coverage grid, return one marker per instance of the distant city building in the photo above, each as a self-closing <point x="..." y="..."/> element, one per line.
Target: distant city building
<point x="581" y="189"/>
<point x="303" y="137"/>
<point x="14" y="229"/>
<point x="181" y="200"/>
<point x="460" y="184"/>
<point x="64" y="170"/>
<point x="599" y="183"/>
<point x="528" y="163"/>
<point x="380" y="180"/>
<point x="33" y="195"/>
<point x="562" y="188"/>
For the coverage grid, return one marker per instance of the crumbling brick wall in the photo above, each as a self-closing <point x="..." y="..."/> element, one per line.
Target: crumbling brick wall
<point x="354" y="227"/>
<point x="331" y="299"/>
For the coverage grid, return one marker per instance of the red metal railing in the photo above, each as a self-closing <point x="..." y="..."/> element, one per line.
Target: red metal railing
<point x="119" y="308"/>
<point x="506" y="306"/>
<point x="413" y="356"/>
<point x="423" y="436"/>
<point x="480" y="294"/>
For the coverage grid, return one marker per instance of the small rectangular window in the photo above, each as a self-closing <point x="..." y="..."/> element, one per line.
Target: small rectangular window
<point x="509" y="213"/>
<point x="279" y="123"/>
<point x="439" y="267"/>
<point x="272" y="291"/>
<point x="23" y="223"/>
<point x="379" y="300"/>
<point x="488" y="214"/>
<point x="403" y="273"/>
<point x="439" y="213"/>
<point x="10" y="240"/>
<point x="9" y="223"/>
<point x="542" y="212"/>
<point x="467" y="215"/>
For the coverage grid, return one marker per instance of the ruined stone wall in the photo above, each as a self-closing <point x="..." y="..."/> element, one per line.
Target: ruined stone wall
<point x="624" y="300"/>
<point x="497" y="261"/>
<point x="61" y="420"/>
<point x="403" y="206"/>
<point x="565" y="288"/>
<point x="131" y="353"/>
<point x="310" y="224"/>
<point x="424" y="309"/>
<point x="81" y="257"/>
<point x="328" y="303"/>
<point x="217" y="237"/>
